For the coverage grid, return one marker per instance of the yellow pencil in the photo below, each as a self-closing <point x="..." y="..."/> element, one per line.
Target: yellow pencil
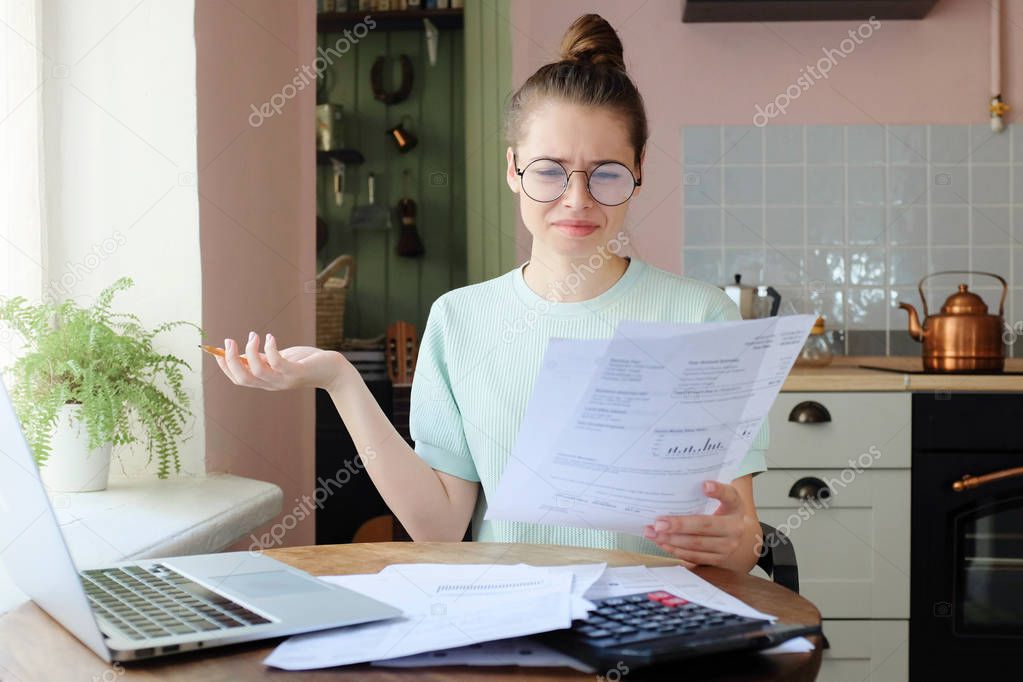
<point x="219" y="352"/>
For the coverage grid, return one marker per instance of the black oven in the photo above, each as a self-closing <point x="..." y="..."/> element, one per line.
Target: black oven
<point x="966" y="581"/>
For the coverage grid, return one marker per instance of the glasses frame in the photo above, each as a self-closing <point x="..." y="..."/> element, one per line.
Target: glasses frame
<point x="568" y="179"/>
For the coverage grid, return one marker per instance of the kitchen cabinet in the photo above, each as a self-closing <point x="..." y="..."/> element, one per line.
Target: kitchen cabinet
<point x="866" y="651"/>
<point x="839" y="481"/>
<point x="855" y="423"/>
<point x="852" y="548"/>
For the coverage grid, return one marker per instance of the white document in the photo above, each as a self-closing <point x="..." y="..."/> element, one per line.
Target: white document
<point x="516" y="651"/>
<point x="614" y="582"/>
<point x="445" y="606"/>
<point x="620" y="431"/>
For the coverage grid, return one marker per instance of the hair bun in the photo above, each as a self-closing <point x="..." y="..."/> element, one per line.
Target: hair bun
<point x="591" y="39"/>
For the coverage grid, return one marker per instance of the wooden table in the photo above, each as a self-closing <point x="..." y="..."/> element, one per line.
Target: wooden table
<point x="37" y="648"/>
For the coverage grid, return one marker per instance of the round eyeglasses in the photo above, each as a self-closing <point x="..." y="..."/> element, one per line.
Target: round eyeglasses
<point x="546" y="180"/>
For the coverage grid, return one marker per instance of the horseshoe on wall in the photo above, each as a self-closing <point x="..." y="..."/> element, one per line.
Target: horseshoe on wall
<point x="377" y="80"/>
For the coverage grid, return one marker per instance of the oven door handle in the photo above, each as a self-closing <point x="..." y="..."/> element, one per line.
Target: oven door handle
<point x="969" y="482"/>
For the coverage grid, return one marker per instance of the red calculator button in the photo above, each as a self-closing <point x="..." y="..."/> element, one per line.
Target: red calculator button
<point x="658" y="596"/>
<point x="674" y="601"/>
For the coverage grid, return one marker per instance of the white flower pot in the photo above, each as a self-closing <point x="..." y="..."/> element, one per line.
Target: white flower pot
<point x="71" y="468"/>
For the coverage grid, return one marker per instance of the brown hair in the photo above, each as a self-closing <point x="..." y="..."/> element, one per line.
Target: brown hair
<point x="590" y="72"/>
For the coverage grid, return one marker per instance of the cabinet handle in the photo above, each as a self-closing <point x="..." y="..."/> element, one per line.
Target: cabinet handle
<point x="969" y="482"/>
<point x="809" y="412"/>
<point x="810" y="488"/>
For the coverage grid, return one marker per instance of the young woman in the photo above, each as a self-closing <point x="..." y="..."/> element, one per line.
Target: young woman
<point x="577" y="132"/>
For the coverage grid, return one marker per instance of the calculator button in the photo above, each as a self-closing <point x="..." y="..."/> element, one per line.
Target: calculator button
<point x="635" y="599"/>
<point x="614" y="601"/>
<point x="658" y="596"/>
<point x="624" y="630"/>
<point x="597" y="632"/>
<point x="674" y="601"/>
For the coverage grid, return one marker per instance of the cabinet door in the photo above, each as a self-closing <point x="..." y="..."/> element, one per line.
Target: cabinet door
<point x="853" y="549"/>
<point x="859" y="423"/>
<point x="865" y="651"/>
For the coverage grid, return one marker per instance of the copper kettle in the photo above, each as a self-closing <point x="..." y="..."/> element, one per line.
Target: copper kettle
<point x="963" y="337"/>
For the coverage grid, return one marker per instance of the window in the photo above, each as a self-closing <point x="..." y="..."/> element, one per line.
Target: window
<point x="21" y="235"/>
<point x="21" y="212"/>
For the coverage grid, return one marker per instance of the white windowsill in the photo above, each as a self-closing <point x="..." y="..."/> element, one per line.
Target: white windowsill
<point x="141" y="519"/>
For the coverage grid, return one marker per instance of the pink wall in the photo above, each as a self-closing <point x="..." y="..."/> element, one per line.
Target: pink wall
<point x="929" y="71"/>
<point x="257" y="196"/>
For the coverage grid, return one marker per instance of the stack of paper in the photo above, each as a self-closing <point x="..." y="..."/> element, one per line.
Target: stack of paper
<point x="446" y="606"/>
<point x="478" y="614"/>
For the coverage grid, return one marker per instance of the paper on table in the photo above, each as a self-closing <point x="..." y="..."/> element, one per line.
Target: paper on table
<point x="516" y="651"/>
<point x="796" y="645"/>
<point x="614" y="582"/>
<point x="664" y="408"/>
<point x="445" y="606"/>
<point x="473" y="578"/>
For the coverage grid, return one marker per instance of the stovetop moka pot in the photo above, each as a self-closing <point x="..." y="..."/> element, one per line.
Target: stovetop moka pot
<point x="964" y="337"/>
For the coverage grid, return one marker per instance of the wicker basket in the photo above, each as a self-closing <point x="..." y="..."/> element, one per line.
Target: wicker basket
<point x="331" y="296"/>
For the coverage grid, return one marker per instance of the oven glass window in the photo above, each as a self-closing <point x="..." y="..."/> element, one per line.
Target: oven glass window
<point x="989" y="568"/>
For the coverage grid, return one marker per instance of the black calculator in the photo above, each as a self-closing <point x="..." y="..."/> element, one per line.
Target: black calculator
<point x="653" y="627"/>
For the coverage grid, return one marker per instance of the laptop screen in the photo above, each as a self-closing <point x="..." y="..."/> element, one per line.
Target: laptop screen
<point x="31" y="544"/>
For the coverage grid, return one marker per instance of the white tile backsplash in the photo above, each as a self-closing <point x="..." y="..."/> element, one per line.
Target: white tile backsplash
<point x="783" y="144"/>
<point x="783" y="225"/>
<point x="865" y="144"/>
<point x="907" y="225"/>
<point x="783" y="185"/>
<point x="742" y="144"/>
<point x="991" y="184"/>
<point x="845" y="220"/>
<point x="907" y="144"/>
<point x="744" y="185"/>
<point x="865" y="185"/>
<point x="949" y="144"/>
<point x="907" y="185"/>
<point x="825" y="185"/>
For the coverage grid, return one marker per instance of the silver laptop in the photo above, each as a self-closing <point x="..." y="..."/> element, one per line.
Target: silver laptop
<point x="142" y="609"/>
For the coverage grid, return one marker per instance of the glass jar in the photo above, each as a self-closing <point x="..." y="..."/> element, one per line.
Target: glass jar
<point x="816" y="351"/>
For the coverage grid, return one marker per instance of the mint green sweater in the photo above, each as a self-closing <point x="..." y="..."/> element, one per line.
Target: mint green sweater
<point x="481" y="353"/>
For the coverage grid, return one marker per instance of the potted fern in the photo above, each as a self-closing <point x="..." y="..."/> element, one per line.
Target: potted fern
<point x="97" y="369"/>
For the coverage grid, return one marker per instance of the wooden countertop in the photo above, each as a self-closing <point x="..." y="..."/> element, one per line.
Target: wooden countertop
<point x="845" y="374"/>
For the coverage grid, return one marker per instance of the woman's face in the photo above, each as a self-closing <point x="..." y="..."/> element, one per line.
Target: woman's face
<point x="574" y="225"/>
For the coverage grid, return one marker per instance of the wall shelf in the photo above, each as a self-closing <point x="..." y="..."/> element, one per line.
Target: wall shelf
<point x="399" y="20"/>
<point x="695" y="11"/>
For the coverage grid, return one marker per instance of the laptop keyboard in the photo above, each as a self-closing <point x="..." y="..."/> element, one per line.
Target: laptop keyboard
<point x="158" y="602"/>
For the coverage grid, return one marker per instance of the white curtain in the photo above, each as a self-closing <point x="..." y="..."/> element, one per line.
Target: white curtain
<point x="22" y="220"/>
<point x="21" y="147"/>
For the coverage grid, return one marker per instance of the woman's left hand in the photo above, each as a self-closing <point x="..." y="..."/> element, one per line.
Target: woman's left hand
<point x="707" y="539"/>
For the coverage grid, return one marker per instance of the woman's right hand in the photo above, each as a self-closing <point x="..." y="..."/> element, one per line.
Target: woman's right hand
<point x="274" y="370"/>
